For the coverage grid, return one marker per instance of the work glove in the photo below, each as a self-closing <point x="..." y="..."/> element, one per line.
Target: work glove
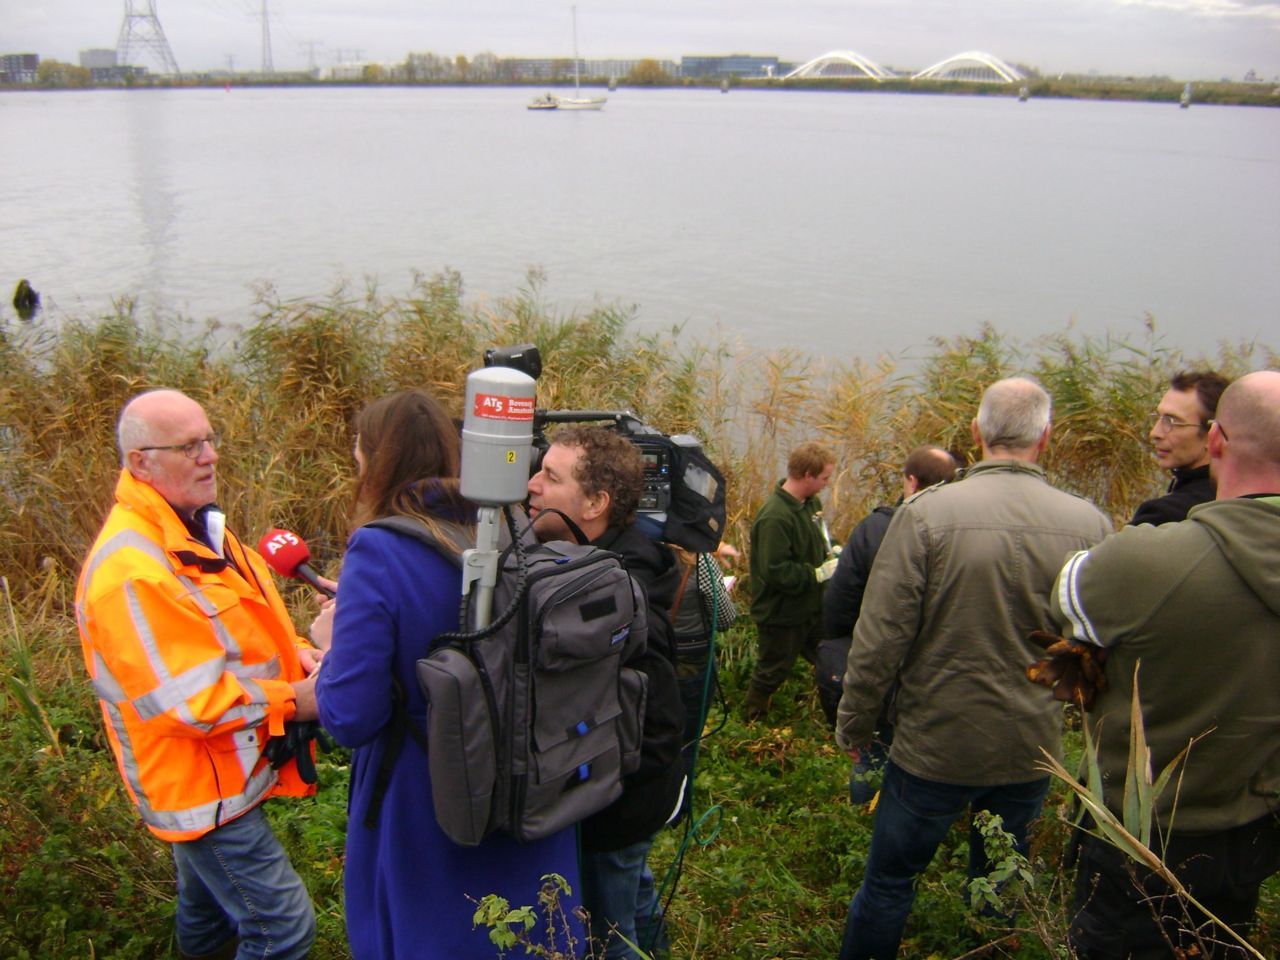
<point x="1072" y="670"/>
<point x="296" y="745"/>
<point x="823" y="571"/>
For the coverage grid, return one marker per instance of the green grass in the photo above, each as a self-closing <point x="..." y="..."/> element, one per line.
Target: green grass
<point x="83" y="878"/>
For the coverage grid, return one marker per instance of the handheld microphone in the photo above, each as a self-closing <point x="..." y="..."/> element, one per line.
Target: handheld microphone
<point x="286" y="553"/>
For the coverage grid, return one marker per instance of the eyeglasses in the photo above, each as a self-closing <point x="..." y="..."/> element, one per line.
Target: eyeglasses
<point x="1166" y="422"/>
<point x="1221" y="429"/>
<point x="193" y="449"/>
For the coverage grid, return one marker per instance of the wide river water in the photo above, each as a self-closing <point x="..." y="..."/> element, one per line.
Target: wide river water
<point x="839" y="223"/>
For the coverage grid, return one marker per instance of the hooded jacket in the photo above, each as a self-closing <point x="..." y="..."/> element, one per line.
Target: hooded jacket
<point x="192" y="657"/>
<point x="1194" y="608"/>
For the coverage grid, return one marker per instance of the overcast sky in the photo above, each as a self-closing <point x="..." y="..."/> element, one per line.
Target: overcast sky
<point x="1185" y="39"/>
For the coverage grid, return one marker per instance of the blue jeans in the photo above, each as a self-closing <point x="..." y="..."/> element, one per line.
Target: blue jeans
<point x="912" y="819"/>
<point x="619" y="893"/>
<point x="237" y="880"/>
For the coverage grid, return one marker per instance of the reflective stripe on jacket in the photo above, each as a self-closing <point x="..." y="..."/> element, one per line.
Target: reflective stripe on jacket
<point x="192" y="663"/>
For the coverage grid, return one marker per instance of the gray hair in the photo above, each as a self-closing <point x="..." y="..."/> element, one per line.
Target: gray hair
<point x="1013" y="414"/>
<point x="133" y="429"/>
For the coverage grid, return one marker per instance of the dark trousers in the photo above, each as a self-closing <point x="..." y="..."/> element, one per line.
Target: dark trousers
<point x="912" y="820"/>
<point x="777" y="650"/>
<point x="1117" y="901"/>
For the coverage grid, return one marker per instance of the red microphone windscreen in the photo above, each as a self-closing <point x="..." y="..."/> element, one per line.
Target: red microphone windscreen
<point x="284" y="551"/>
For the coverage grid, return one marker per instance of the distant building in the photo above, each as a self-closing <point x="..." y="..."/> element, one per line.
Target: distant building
<point x="730" y="65"/>
<point x="345" y="72"/>
<point x="561" y="68"/>
<point x="98" y="59"/>
<point x="19" y="67"/>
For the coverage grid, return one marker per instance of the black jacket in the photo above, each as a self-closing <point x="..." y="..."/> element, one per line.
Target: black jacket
<point x="1186" y="489"/>
<point x="649" y="795"/>
<point x="842" y="602"/>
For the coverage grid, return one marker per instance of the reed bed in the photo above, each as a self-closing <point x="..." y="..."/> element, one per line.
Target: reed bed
<point x="85" y="877"/>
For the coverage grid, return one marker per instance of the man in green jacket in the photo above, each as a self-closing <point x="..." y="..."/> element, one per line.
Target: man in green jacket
<point x="790" y="548"/>
<point x="961" y="579"/>
<point x="1194" y="609"/>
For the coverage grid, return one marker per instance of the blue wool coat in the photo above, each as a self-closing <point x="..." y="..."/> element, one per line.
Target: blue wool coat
<point x="406" y="883"/>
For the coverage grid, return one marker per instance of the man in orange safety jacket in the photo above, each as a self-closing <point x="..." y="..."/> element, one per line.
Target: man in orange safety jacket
<point x="196" y="665"/>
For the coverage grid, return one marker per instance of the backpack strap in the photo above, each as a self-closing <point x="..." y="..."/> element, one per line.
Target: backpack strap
<point x="579" y="537"/>
<point x="457" y="541"/>
<point x="684" y="582"/>
<point x="400" y="723"/>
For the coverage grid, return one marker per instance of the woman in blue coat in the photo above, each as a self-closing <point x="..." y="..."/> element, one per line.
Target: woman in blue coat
<point x="407" y="885"/>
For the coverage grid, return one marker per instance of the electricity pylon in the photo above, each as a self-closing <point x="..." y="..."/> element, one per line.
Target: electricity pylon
<point x="141" y="32"/>
<point x="266" y="41"/>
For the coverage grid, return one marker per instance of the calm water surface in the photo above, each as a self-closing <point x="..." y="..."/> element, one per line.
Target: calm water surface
<point x="846" y="224"/>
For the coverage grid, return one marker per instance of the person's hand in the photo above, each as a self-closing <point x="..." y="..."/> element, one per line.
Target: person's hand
<point x="310" y="658"/>
<point x="824" y="570"/>
<point x="727" y="553"/>
<point x="304" y="692"/>
<point x="855" y="753"/>
<point x="321" y="631"/>
<point x="330" y="585"/>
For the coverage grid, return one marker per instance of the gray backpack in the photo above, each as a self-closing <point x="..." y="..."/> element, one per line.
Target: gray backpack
<point x="533" y="723"/>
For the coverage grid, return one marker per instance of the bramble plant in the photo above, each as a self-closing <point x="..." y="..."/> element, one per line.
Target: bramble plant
<point x="513" y="927"/>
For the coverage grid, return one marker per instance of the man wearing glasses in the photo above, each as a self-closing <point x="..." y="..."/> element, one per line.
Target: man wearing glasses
<point x="196" y="665"/>
<point x="1194" y="609"/>
<point x="1179" y="440"/>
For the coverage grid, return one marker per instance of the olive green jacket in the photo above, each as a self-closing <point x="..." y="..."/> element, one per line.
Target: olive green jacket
<point x="786" y="546"/>
<point x="1194" y="608"/>
<point x="962" y="578"/>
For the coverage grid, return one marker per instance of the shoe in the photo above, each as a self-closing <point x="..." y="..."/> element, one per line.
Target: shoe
<point x="225" y="952"/>
<point x="756" y="707"/>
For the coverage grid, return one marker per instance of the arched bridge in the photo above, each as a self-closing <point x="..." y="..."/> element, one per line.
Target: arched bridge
<point x="972" y="65"/>
<point x="840" y="63"/>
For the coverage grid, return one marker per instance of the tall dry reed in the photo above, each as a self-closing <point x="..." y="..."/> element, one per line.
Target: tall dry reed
<point x="284" y="389"/>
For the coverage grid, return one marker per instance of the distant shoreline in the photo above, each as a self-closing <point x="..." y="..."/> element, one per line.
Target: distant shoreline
<point x="1134" y="89"/>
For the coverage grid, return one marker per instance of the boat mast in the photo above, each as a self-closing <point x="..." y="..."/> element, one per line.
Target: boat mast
<point x="576" y="91"/>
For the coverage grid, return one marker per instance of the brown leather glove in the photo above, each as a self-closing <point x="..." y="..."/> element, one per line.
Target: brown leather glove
<point x="1072" y="670"/>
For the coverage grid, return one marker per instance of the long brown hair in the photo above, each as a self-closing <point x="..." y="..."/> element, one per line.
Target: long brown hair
<point x="411" y="453"/>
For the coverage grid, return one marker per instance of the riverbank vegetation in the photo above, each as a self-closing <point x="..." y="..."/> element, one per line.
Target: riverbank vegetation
<point x="54" y="75"/>
<point x="773" y="864"/>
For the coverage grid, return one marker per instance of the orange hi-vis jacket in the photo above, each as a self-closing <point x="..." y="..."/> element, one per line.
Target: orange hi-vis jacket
<point x="191" y="658"/>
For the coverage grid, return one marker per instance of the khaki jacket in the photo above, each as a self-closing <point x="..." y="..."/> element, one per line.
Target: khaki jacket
<point x="192" y="664"/>
<point x="1195" y="608"/>
<point x="962" y="578"/>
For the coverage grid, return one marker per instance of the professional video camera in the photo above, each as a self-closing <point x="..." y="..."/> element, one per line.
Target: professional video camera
<point x="684" y="497"/>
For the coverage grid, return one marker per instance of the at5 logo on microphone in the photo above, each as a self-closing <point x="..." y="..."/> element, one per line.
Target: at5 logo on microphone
<point x="278" y="540"/>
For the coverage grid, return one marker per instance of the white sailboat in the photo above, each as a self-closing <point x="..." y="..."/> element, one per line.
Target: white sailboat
<point x="577" y="101"/>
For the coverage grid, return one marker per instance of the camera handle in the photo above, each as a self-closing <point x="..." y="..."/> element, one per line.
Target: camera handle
<point x="480" y="567"/>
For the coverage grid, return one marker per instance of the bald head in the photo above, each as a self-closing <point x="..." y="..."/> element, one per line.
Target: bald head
<point x="148" y="416"/>
<point x="1245" y="447"/>
<point x="1013" y="419"/>
<point x="166" y="442"/>
<point x="928" y="465"/>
